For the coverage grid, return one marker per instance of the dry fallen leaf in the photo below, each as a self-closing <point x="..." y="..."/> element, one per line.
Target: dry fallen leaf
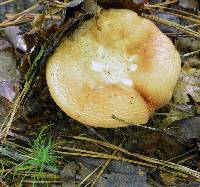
<point x="11" y="33"/>
<point x="193" y="61"/>
<point x="91" y="7"/>
<point x="167" y="178"/>
<point x="185" y="129"/>
<point x="185" y="45"/>
<point x="187" y="85"/>
<point x="175" y="115"/>
<point x="7" y="70"/>
<point x="189" y="4"/>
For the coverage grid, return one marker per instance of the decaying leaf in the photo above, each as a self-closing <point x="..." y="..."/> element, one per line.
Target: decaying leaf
<point x="91" y="7"/>
<point x="185" y="129"/>
<point x="7" y="70"/>
<point x="168" y="179"/>
<point x="116" y="174"/>
<point x="189" y="4"/>
<point x="11" y="32"/>
<point x="188" y="85"/>
<point x="193" y="61"/>
<point x="68" y="174"/>
<point x="187" y="44"/>
<point x="175" y="115"/>
<point x="162" y="145"/>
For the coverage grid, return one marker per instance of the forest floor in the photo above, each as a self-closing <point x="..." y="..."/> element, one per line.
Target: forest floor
<point x="41" y="146"/>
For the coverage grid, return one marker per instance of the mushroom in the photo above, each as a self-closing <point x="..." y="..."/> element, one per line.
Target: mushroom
<point x="113" y="72"/>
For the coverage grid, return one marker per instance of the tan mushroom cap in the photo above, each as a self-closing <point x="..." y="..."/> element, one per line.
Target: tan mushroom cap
<point x="115" y="71"/>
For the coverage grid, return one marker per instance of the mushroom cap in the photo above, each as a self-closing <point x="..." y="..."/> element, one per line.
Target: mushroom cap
<point x="113" y="72"/>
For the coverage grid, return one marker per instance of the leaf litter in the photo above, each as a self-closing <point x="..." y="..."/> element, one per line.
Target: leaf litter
<point x="162" y="154"/>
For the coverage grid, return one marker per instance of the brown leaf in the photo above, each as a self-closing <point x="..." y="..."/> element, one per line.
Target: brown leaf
<point x="91" y="7"/>
<point x="185" y="129"/>
<point x="11" y="32"/>
<point x="163" y="145"/>
<point x="175" y="115"/>
<point x="188" y="84"/>
<point x="7" y="70"/>
<point x="68" y="174"/>
<point x="189" y="4"/>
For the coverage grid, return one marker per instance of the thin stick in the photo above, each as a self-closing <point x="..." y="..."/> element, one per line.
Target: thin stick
<point x="89" y="175"/>
<point x="32" y="16"/>
<point x="197" y="21"/>
<point x="191" y="53"/>
<point x="17" y="18"/>
<point x="162" y="163"/>
<point x="172" y="24"/>
<point x="173" y="9"/>
<point x="105" y="165"/>
<point x="193" y="25"/>
<point x="6" y="2"/>
<point x="42" y="182"/>
<point x="106" y="156"/>
<point x="166" y="3"/>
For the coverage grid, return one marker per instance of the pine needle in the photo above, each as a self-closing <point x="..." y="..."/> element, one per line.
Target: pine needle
<point x="6" y="2"/>
<point x="172" y="24"/>
<point x="151" y="161"/>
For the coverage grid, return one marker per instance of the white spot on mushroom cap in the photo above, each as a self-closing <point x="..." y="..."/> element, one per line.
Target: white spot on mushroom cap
<point x="133" y="67"/>
<point x="127" y="82"/>
<point x="96" y="66"/>
<point x="112" y="67"/>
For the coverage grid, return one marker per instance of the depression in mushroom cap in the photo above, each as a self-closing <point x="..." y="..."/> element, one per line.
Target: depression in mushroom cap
<point x="121" y="65"/>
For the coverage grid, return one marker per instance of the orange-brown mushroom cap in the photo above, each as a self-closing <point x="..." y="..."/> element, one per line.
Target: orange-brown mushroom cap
<point x="113" y="72"/>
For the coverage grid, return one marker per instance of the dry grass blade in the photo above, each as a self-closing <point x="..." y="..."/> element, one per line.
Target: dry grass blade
<point x="41" y="182"/>
<point x="25" y="12"/>
<point x="189" y="18"/>
<point x="18" y="147"/>
<point x="104" y="156"/>
<point x="172" y="9"/>
<point x="32" y="16"/>
<point x="18" y="17"/>
<point x="191" y="53"/>
<point x="192" y="157"/>
<point x="167" y="3"/>
<point x="16" y="23"/>
<point x="193" y="25"/>
<point x="105" y="165"/>
<point x="107" y="156"/>
<point x="5" y="126"/>
<point x="130" y="124"/>
<point x="160" y="163"/>
<point x="6" y="2"/>
<point x="89" y="175"/>
<point x="101" y="171"/>
<point x="172" y="24"/>
<point x="177" y="34"/>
